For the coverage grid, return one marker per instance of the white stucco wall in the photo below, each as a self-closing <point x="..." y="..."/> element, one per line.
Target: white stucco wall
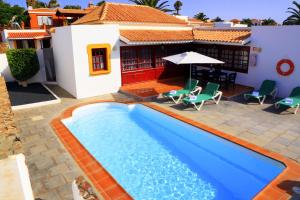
<point x="276" y="43"/>
<point x="72" y="64"/>
<point x="63" y="58"/>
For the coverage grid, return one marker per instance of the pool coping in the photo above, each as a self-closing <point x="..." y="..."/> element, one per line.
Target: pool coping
<point x="108" y="187"/>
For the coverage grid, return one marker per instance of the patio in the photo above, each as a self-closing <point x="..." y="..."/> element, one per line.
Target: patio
<point x="150" y="89"/>
<point x="52" y="169"/>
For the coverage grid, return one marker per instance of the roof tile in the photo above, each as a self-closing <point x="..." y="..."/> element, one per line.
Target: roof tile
<point x="228" y="36"/>
<point x="122" y="13"/>
<point x="207" y="35"/>
<point x="28" y="35"/>
<point x="156" y="35"/>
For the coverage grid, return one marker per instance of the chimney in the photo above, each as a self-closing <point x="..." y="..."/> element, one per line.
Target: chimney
<point x="91" y="4"/>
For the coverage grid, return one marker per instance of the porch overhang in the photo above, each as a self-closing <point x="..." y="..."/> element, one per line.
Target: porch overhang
<point x="27" y="35"/>
<point x="201" y="36"/>
<point x="154" y="37"/>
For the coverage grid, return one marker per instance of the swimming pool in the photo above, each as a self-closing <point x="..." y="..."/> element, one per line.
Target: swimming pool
<point x="154" y="156"/>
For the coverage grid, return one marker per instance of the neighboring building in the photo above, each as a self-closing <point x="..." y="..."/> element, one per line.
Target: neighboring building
<point x="256" y="22"/>
<point x="196" y="23"/>
<point x="119" y="44"/>
<point x="230" y="24"/>
<point x="43" y="16"/>
<point x="20" y="39"/>
<point x="37" y="35"/>
<point x="54" y="17"/>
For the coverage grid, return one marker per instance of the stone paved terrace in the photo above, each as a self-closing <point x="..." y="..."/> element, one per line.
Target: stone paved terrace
<point x="52" y="169"/>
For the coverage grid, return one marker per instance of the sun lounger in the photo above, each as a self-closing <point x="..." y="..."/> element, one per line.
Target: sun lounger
<point x="209" y="93"/>
<point x="293" y="101"/>
<point x="190" y="88"/>
<point x="268" y="88"/>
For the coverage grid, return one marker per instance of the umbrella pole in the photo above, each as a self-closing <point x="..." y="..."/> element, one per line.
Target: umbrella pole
<point x="190" y="80"/>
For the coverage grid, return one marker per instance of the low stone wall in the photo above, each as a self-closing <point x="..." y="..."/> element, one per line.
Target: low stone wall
<point x="9" y="140"/>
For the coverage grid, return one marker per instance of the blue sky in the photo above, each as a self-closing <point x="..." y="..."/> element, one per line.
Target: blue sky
<point x="226" y="9"/>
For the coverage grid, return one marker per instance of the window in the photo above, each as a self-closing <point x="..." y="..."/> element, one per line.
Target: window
<point x="135" y="58"/>
<point x="227" y="57"/>
<point x="19" y="44"/>
<point x="47" y="20"/>
<point x="99" y="59"/>
<point x="129" y="59"/>
<point x="31" y="44"/>
<point x="212" y="53"/>
<point x="241" y="60"/>
<point x="45" y="43"/>
<point x="159" y="54"/>
<point x="236" y="58"/>
<point x="145" y="58"/>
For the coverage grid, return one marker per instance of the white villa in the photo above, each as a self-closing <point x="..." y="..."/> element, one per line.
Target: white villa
<point x="118" y="44"/>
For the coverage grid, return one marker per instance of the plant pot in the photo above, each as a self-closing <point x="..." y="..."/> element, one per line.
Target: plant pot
<point x="23" y="83"/>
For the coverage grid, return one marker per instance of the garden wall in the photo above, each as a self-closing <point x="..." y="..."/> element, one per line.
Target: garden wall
<point x="273" y="44"/>
<point x="8" y="131"/>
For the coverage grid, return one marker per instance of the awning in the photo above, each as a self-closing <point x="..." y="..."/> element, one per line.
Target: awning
<point x="222" y="36"/>
<point x="156" y="36"/>
<point x="213" y="36"/>
<point x="21" y="35"/>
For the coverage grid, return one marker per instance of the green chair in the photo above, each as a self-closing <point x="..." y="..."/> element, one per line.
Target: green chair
<point x="268" y="88"/>
<point x="210" y="92"/>
<point x="293" y="101"/>
<point x="190" y="88"/>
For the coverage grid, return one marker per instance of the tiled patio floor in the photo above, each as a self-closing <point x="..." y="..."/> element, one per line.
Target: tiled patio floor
<point x="148" y="89"/>
<point x="52" y="169"/>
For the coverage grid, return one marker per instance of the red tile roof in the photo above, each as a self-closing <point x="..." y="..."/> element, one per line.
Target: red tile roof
<point x="41" y="10"/>
<point x="156" y="35"/>
<point x="127" y="13"/>
<point x="206" y="35"/>
<point x="71" y="11"/>
<point x="17" y="35"/>
<point x="226" y="36"/>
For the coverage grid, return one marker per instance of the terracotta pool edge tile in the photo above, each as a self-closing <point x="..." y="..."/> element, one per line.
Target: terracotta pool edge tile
<point x="275" y="189"/>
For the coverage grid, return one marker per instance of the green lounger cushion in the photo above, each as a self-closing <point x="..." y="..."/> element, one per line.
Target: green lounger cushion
<point x="208" y="93"/>
<point x="267" y="87"/>
<point x="189" y="87"/>
<point x="295" y="96"/>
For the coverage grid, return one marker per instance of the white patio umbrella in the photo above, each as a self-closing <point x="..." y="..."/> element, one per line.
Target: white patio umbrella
<point x="192" y="58"/>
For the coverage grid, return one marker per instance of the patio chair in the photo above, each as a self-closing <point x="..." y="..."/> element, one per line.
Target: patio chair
<point x="268" y="88"/>
<point x="293" y="101"/>
<point x="231" y="80"/>
<point x="190" y="88"/>
<point x="209" y="93"/>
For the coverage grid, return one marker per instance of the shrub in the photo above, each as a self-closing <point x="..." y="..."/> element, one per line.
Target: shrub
<point x="23" y="63"/>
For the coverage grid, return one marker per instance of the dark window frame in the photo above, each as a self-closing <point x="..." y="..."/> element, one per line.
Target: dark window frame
<point x="239" y="60"/>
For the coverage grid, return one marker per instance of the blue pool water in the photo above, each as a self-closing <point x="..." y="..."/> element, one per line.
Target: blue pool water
<point x="154" y="156"/>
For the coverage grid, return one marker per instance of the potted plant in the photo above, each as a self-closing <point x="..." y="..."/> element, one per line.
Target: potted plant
<point x="23" y="64"/>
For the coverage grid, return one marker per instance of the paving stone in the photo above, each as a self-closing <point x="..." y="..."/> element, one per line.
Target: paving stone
<point x="44" y="163"/>
<point x="282" y="140"/>
<point x="65" y="191"/>
<point x="38" y="149"/>
<point x="59" y="169"/>
<point x="54" y="182"/>
<point x="51" y="195"/>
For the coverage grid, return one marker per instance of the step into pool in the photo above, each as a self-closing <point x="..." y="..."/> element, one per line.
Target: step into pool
<point x="155" y="156"/>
